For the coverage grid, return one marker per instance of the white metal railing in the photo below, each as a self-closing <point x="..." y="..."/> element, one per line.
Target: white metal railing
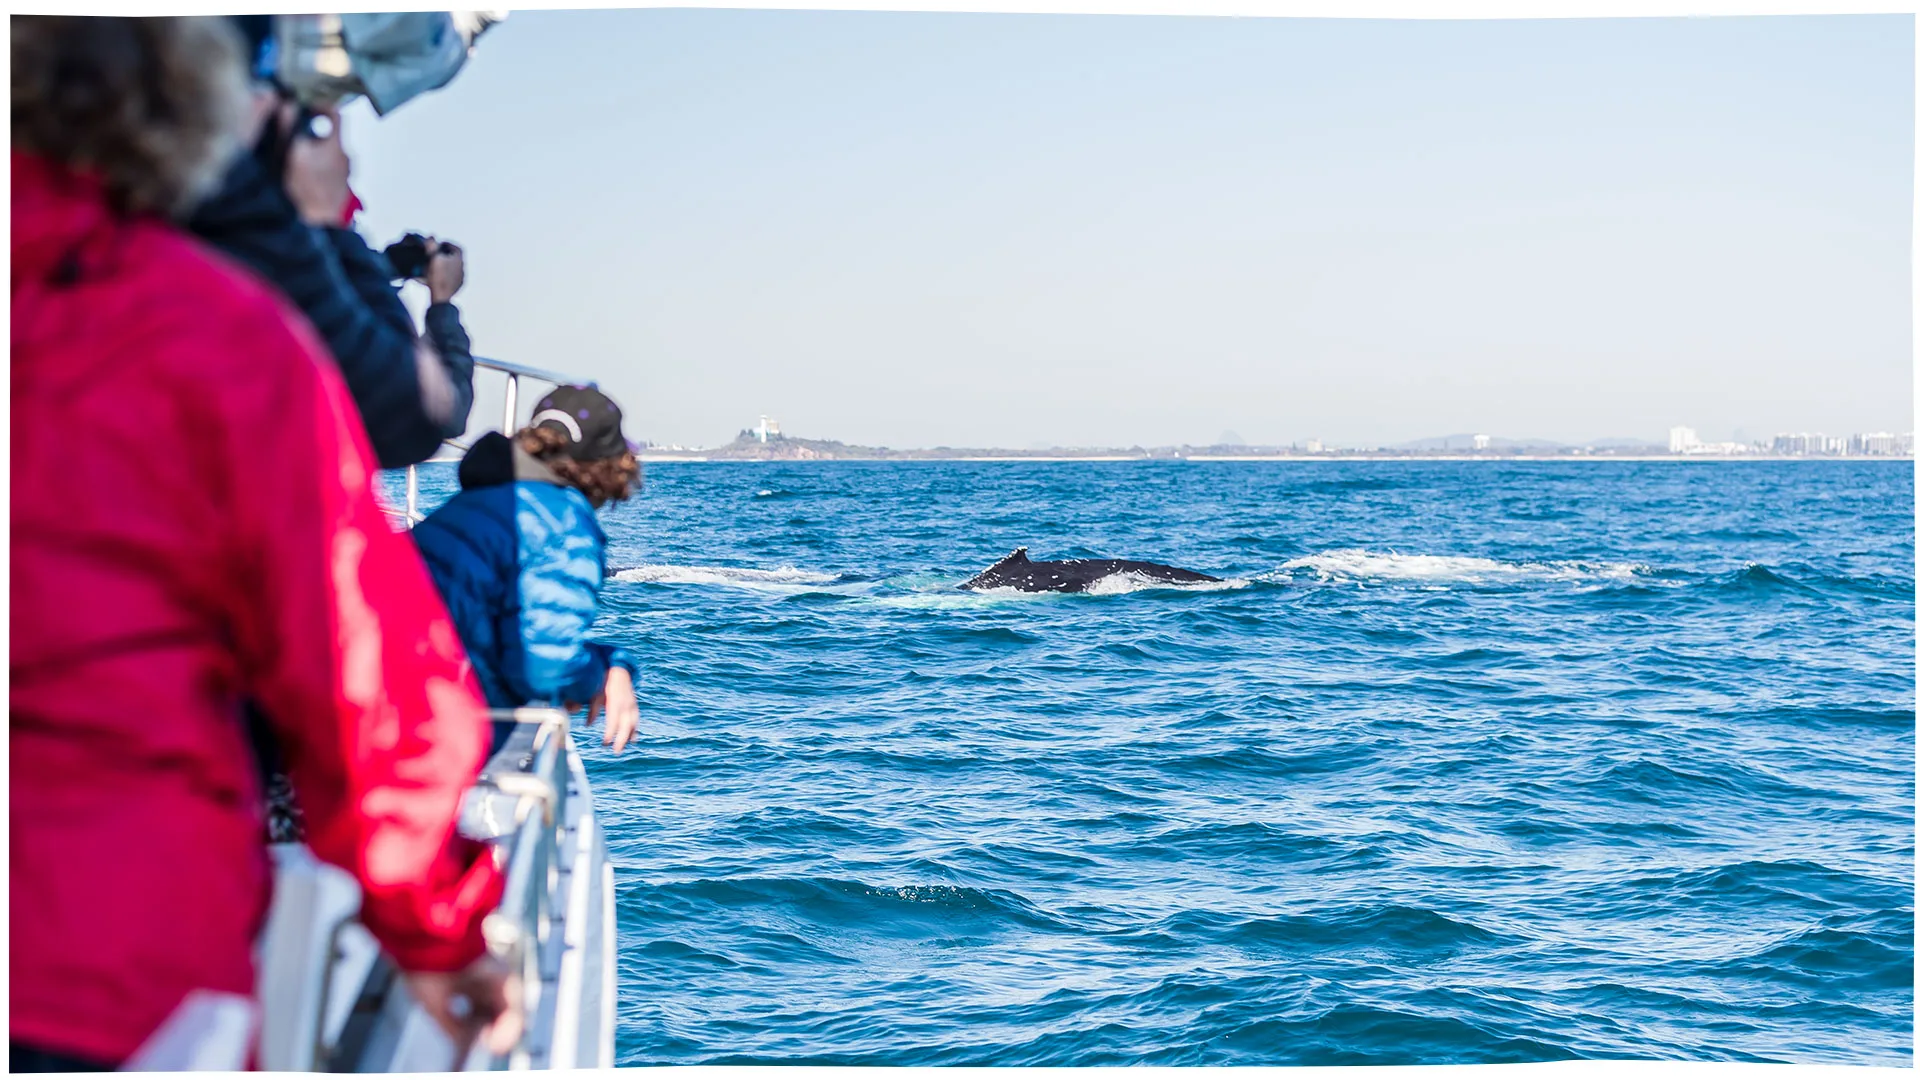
<point x="332" y="1004"/>
<point x="522" y="929"/>
<point x="452" y="449"/>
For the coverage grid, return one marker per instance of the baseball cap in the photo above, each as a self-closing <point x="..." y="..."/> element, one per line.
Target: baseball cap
<point x="589" y="419"/>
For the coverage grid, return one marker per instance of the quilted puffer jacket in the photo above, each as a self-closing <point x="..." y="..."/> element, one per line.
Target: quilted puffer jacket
<point x="520" y="558"/>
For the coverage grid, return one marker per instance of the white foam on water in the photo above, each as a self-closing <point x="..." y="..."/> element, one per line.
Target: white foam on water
<point x="785" y="578"/>
<point x="1359" y="564"/>
<point x="939" y="591"/>
<point x="956" y="599"/>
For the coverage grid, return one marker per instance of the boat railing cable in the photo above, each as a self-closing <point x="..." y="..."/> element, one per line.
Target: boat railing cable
<point x="452" y="449"/>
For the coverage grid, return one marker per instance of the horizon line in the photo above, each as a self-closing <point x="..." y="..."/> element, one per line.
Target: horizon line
<point x="1749" y="445"/>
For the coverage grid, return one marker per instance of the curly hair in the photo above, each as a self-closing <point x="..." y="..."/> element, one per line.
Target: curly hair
<point x="151" y="107"/>
<point x="607" y="480"/>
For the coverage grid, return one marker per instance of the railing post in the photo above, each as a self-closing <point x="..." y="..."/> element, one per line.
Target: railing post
<point x="514" y="373"/>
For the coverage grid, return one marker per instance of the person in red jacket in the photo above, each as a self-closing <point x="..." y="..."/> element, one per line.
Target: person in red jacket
<point x="193" y="523"/>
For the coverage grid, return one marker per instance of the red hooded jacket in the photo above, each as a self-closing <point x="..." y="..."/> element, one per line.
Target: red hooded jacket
<point x="194" y="521"/>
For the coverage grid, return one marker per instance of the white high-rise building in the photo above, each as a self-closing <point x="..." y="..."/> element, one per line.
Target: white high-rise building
<point x="1804" y="443"/>
<point x="1682" y="439"/>
<point x="767" y="429"/>
<point x="1482" y="442"/>
<point x="1882" y="442"/>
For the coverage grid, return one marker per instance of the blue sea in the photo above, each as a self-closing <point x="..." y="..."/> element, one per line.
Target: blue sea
<point x="1465" y="762"/>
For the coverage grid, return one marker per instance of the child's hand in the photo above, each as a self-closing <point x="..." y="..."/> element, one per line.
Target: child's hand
<point x="623" y="712"/>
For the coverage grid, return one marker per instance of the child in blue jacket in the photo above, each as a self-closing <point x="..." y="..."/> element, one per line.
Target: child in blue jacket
<point x="519" y="559"/>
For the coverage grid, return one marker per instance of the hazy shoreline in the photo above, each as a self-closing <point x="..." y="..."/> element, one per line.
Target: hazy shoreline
<point x="773" y="446"/>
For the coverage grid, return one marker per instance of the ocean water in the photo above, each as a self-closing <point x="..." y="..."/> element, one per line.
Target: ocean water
<point x="1465" y="763"/>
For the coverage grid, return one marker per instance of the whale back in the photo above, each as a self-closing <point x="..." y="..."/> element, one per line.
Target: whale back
<point x="1017" y="571"/>
<point x="1160" y="572"/>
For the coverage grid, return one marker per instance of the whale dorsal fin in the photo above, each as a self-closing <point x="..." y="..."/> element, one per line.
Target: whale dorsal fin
<point x="1018" y="558"/>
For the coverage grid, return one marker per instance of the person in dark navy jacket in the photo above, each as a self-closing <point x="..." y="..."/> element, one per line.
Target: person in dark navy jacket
<point x="286" y="213"/>
<point x="520" y="558"/>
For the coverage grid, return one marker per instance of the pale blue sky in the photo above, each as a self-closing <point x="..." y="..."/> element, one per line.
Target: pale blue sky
<point x="925" y="229"/>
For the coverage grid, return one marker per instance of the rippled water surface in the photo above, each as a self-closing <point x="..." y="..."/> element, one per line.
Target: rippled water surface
<point x="1466" y="762"/>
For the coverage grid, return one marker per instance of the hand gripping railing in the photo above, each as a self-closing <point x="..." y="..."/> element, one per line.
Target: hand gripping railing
<point x="451" y="449"/>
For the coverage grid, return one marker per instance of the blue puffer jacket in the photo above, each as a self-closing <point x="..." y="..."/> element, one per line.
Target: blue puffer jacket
<point x="519" y="559"/>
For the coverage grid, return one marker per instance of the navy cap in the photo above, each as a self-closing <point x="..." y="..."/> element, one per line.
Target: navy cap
<point x="589" y="419"/>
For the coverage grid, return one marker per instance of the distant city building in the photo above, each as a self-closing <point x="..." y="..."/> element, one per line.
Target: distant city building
<point x="1680" y="440"/>
<point x="769" y="428"/>
<point x="1881" y="442"/>
<point x="1805" y="443"/>
<point x="1482" y="442"/>
<point x="1314" y="446"/>
<point x="1818" y="444"/>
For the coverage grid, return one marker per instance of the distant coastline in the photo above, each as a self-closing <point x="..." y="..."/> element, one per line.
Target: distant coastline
<point x="789" y="448"/>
